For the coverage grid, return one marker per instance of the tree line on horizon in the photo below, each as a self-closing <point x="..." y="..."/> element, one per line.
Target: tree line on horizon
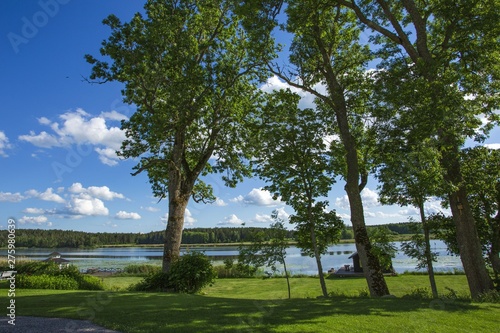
<point x="40" y="238"/>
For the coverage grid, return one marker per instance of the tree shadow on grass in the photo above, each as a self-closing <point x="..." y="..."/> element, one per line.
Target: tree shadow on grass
<point x="157" y="312"/>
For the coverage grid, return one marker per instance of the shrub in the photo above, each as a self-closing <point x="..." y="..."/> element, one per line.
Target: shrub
<point x="191" y="273"/>
<point x="88" y="282"/>
<point x="45" y="281"/>
<point x="38" y="268"/>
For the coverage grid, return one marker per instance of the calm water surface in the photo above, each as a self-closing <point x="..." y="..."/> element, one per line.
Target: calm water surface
<point x="297" y="263"/>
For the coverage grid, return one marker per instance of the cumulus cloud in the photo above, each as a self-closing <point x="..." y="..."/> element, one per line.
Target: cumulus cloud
<point x="38" y="220"/>
<point x="123" y="215"/>
<point x="11" y="197"/>
<point x="48" y="195"/>
<point x="86" y="205"/>
<point x="79" y="127"/>
<point x="34" y="211"/>
<point x="101" y="192"/>
<point x="231" y="220"/>
<point x="258" y="197"/>
<point x="4" y="144"/>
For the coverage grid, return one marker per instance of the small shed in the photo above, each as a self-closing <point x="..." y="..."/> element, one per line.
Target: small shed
<point x="56" y="257"/>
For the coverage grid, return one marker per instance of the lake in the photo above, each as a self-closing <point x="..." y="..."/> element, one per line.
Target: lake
<point x="297" y="263"/>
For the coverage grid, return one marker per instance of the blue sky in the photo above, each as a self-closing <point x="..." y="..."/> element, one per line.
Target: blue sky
<point x="58" y="135"/>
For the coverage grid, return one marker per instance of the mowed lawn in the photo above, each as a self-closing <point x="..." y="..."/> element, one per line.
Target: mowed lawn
<point x="256" y="305"/>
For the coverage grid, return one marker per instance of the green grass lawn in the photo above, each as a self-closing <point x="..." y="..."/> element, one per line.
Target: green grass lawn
<point x="256" y="305"/>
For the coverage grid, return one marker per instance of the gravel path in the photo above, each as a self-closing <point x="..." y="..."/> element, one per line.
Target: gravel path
<point x="50" y="325"/>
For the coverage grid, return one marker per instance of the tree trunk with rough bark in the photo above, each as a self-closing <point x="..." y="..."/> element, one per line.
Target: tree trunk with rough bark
<point x="469" y="245"/>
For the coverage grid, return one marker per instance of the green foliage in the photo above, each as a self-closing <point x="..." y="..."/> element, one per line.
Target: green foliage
<point x="45" y="281"/>
<point x="192" y="272"/>
<point x="189" y="274"/>
<point x="382" y="246"/>
<point x="416" y="248"/>
<point x="48" y="275"/>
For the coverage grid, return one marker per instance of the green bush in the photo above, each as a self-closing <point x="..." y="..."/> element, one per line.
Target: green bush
<point x="191" y="273"/>
<point x="45" y="281"/>
<point x="492" y="296"/>
<point x="48" y="275"/>
<point x="88" y="282"/>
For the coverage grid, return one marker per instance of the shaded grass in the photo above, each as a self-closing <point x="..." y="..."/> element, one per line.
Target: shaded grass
<point x="256" y="305"/>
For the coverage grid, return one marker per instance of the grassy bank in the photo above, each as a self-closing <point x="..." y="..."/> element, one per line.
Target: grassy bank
<point x="256" y="305"/>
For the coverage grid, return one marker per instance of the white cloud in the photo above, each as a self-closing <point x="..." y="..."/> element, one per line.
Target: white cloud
<point x="4" y="144"/>
<point x="189" y="220"/>
<point x="492" y="145"/>
<point x="48" y="195"/>
<point x="113" y="115"/>
<point x="38" y="220"/>
<point x="231" y="220"/>
<point x="151" y="209"/>
<point x="11" y="197"/>
<point x="219" y="203"/>
<point x="107" y="156"/>
<point x="42" y="140"/>
<point x="34" y="211"/>
<point x="101" y="192"/>
<point x="262" y="219"/>
<point x="257" y="196"/>
<point x="123" y="215"/>
<point x="84" y="204"/>
<point x="79" y="127"/>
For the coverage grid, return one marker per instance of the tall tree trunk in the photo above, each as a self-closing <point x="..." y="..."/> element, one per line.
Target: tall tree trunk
<point x="428" y="256"/>
<point x="469" y="245"/>
<point x="173" y="232"/>
<point x="317" y="256"/>
<point x="370" y="262"/>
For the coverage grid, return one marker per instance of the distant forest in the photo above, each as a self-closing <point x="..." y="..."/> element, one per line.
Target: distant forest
<point x="79" y="239"/>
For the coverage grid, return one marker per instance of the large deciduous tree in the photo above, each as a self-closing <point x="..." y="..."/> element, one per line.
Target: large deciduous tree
<point x="328" y="61"/>
<point x="188" y="68"/>
<point x="440" y="61"/>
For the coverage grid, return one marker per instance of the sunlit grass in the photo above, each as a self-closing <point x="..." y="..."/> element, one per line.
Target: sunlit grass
<point x="257" y="305"/>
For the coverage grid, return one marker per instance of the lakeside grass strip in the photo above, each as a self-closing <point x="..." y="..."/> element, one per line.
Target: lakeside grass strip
<point x="233" y="305"/>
